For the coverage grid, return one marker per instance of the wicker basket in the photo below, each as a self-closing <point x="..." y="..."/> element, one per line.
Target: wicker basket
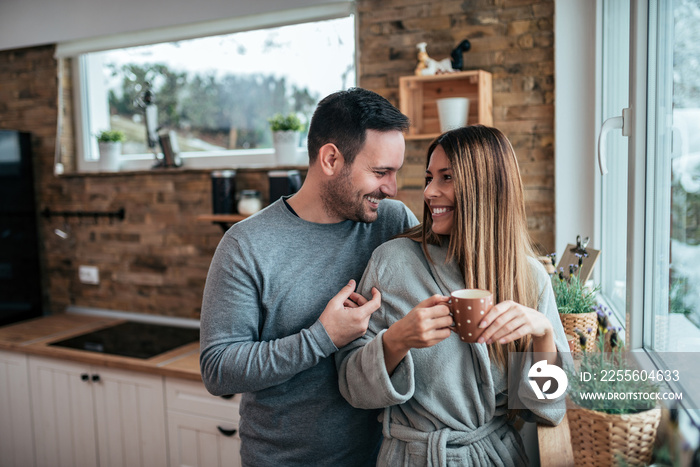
<point x="599" y="439"/>
<point x="583" y="322"/>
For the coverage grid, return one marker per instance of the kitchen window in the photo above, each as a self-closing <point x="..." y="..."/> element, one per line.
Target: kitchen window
<point x="649" y="201"/>
<point x="214" y="85"/>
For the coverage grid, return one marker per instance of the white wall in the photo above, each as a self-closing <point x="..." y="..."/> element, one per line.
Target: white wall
<point x="574" y="120"/>
<point x="25" y="23"/>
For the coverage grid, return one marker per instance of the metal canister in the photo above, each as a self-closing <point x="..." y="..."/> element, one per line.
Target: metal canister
<point x="283" y="183"/>
<point x="223" y="191"/>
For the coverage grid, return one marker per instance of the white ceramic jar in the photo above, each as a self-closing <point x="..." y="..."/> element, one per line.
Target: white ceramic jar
<point x="249" y="202"/>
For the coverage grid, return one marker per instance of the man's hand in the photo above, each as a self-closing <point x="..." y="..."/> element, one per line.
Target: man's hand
<point x="346" y="316"/>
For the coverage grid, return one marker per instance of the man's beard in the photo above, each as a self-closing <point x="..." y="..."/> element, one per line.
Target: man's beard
<point x="340" y="199"/>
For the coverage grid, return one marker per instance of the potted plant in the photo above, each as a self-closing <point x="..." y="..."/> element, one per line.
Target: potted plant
<point x="617" y="430"/>
<point x="110" y="145"/>
<point x="286" y="131"/>
<point x="576" y="304"/>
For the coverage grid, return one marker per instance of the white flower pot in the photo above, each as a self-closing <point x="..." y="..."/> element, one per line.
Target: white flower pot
<point x="110" y="156"/>
<point x="286" y="146"/>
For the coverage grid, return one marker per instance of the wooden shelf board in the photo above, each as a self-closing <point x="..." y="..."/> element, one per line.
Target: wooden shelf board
<point x="230" y="218"/>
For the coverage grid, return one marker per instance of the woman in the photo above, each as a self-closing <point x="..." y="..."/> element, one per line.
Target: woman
<point x="446" y="402"/>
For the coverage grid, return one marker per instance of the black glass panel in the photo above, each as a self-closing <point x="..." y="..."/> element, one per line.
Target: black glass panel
<point x="133" y="339"/>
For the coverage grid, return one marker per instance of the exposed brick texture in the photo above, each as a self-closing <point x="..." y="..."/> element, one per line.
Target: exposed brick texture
<point x="156" y="260"/>
<point x="511" y="39"/>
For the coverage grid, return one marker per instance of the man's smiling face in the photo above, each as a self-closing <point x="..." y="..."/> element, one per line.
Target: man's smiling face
<point x="357" y="190"/>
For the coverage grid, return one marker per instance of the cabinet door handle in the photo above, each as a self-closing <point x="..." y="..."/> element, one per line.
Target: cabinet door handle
<point x="84" y="376"/>
<point x="226" y="432"/>
<point x="96" y="378"/>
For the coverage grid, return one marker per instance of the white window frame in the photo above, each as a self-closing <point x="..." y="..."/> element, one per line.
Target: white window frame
<point x="86" y="144"/>
<point x="578" y="112"/>
<point x="648" y="191"/>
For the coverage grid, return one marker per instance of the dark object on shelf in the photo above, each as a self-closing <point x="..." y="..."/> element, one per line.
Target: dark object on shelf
<point x="283" y="183"/>
<point x="133" y="339"/>
<point x="223" y="192"/>
<point x="20" y="284"/>
<point x="457" y="59"/>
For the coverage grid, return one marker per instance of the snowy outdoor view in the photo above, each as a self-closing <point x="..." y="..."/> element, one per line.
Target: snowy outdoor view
<point x="684" y="287"/>
<point x="217" y="92"/>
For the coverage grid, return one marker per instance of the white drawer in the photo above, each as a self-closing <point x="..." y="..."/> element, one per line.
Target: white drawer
<point x="202" y="441"/>
<point x="193" y="397"/>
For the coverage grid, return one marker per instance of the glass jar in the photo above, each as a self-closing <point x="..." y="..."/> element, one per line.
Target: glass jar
<point x="249" y="202"/>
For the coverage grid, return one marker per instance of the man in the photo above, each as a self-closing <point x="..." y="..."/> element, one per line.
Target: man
<point x="279" y="298"/>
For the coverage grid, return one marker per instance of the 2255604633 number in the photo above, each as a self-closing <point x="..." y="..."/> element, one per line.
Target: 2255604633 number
<point x="639" y="375"/>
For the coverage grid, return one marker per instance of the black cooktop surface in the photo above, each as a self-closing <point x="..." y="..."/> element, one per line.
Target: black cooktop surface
<point x="133" y="339"/>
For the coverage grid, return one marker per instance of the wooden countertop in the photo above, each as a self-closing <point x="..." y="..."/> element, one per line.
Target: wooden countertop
<point x="34" y="336"/>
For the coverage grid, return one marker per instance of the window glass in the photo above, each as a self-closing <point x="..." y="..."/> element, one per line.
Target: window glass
<point x="216" y="93"/>
<point x="676" y="169"/>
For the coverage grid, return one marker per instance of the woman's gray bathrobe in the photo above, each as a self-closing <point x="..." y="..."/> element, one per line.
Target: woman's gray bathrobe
<point x="446" y="404"/>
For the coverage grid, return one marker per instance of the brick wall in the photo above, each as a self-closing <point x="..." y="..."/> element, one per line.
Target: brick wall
<point x="513" y="40"/>
<point x="155" y="260"/>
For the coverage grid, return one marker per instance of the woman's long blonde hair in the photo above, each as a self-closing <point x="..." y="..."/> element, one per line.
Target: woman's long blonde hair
<point x="489" y="238"/>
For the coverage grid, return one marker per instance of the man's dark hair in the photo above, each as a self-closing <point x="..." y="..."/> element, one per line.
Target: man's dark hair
<point x="343" y="118"/>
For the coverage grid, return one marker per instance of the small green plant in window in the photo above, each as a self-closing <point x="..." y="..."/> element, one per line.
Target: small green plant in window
<point x="110" y="136"/>
<point x="289" y="122"/>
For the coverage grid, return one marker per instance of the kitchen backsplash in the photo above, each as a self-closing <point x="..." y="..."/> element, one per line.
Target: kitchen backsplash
<point x="155" y="260"/>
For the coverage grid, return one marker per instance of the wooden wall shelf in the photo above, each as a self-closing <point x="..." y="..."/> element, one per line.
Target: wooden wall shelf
<point x="230" y="218"/>
<point x="418" y="95"/>
<point x="224" y="220"/>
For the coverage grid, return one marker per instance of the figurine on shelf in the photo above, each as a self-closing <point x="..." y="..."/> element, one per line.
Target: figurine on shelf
<point x="428" y="66"/>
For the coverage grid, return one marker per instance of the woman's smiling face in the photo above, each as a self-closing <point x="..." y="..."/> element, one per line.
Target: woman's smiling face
<point x="439" y="194"/>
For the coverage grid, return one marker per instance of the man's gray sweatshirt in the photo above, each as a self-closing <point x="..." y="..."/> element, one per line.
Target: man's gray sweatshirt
<point x="270" y="279"/>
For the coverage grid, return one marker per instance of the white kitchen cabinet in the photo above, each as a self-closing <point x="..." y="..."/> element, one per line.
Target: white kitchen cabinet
<point x="16" y="436"/>
<point x="96" y="416"/>
<point x="202" y="429"/>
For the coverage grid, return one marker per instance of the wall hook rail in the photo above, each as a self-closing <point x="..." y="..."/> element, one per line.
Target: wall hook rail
<point x="119" y="214"/>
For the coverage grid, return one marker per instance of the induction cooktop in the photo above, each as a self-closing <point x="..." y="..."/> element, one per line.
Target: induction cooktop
<point x="133" y="339"/>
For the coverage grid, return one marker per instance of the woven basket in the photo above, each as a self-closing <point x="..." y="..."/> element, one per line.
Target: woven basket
<point x="599" y="439"/>
<point x="583" y="322"/>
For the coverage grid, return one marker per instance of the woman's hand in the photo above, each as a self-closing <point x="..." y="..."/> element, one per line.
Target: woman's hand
<point x="424" y="326"/>
<point x="509" y="321"/>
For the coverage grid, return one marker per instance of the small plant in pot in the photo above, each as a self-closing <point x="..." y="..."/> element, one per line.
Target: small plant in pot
<point x="110" y="145"/>
<point x="612" y="430"/>
<point x="576" y="304"/>
<point x="286" y="130"/>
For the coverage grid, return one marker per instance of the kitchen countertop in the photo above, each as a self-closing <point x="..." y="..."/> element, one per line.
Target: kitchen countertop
<point x="34" y="336"/>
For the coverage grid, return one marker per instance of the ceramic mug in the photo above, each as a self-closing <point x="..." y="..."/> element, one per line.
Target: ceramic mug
<point x="468" y="309"/>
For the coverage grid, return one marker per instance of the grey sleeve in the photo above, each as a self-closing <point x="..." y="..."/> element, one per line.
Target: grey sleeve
<point x="233" y="359"/>
<point x="362" y="376"/>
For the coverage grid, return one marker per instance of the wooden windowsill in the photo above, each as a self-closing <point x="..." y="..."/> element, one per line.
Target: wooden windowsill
<point x="555" y="445"/>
